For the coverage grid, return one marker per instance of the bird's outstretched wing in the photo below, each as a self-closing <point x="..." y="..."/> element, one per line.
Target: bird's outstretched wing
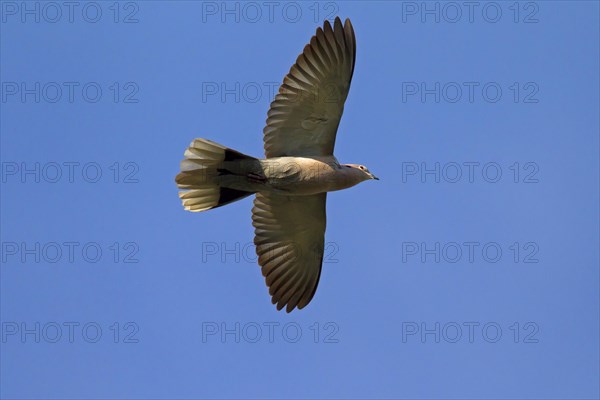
<point x="289" y="238"/>
<point x="305" y="114"/>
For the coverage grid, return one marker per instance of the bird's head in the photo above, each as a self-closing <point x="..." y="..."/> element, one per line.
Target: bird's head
<point x="362" y="171"/>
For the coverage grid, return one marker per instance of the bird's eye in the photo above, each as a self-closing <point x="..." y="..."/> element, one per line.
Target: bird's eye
<point x="362" y="167"/>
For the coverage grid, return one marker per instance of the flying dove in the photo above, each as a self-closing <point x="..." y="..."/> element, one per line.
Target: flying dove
<point x="292" y="182"/>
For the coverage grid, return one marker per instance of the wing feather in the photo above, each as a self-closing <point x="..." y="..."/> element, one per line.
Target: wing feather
<point x="306" y="112"/>
<point x="289" y="239"/>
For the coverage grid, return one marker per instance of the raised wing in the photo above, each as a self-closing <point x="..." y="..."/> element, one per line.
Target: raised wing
<point x="305" y="114"/>
<point x="289" y="238"/>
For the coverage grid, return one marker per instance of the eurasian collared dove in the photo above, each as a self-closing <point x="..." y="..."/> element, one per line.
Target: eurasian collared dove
<point x="292" y="182"/>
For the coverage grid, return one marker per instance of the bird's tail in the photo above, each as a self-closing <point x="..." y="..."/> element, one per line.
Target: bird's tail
<point x="205" y="162"/>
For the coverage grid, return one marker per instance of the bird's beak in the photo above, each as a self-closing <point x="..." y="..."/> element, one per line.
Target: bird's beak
<point x="374" y="177"/>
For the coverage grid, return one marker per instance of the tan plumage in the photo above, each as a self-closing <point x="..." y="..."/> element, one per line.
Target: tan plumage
<point x="291" y="184"/>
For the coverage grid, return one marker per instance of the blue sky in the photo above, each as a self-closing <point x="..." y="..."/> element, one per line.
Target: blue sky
<point x="470" y="270"/>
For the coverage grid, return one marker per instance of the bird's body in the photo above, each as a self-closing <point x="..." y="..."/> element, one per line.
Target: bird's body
<point x="292" y="176"/>
<point x="292" y="182"/>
